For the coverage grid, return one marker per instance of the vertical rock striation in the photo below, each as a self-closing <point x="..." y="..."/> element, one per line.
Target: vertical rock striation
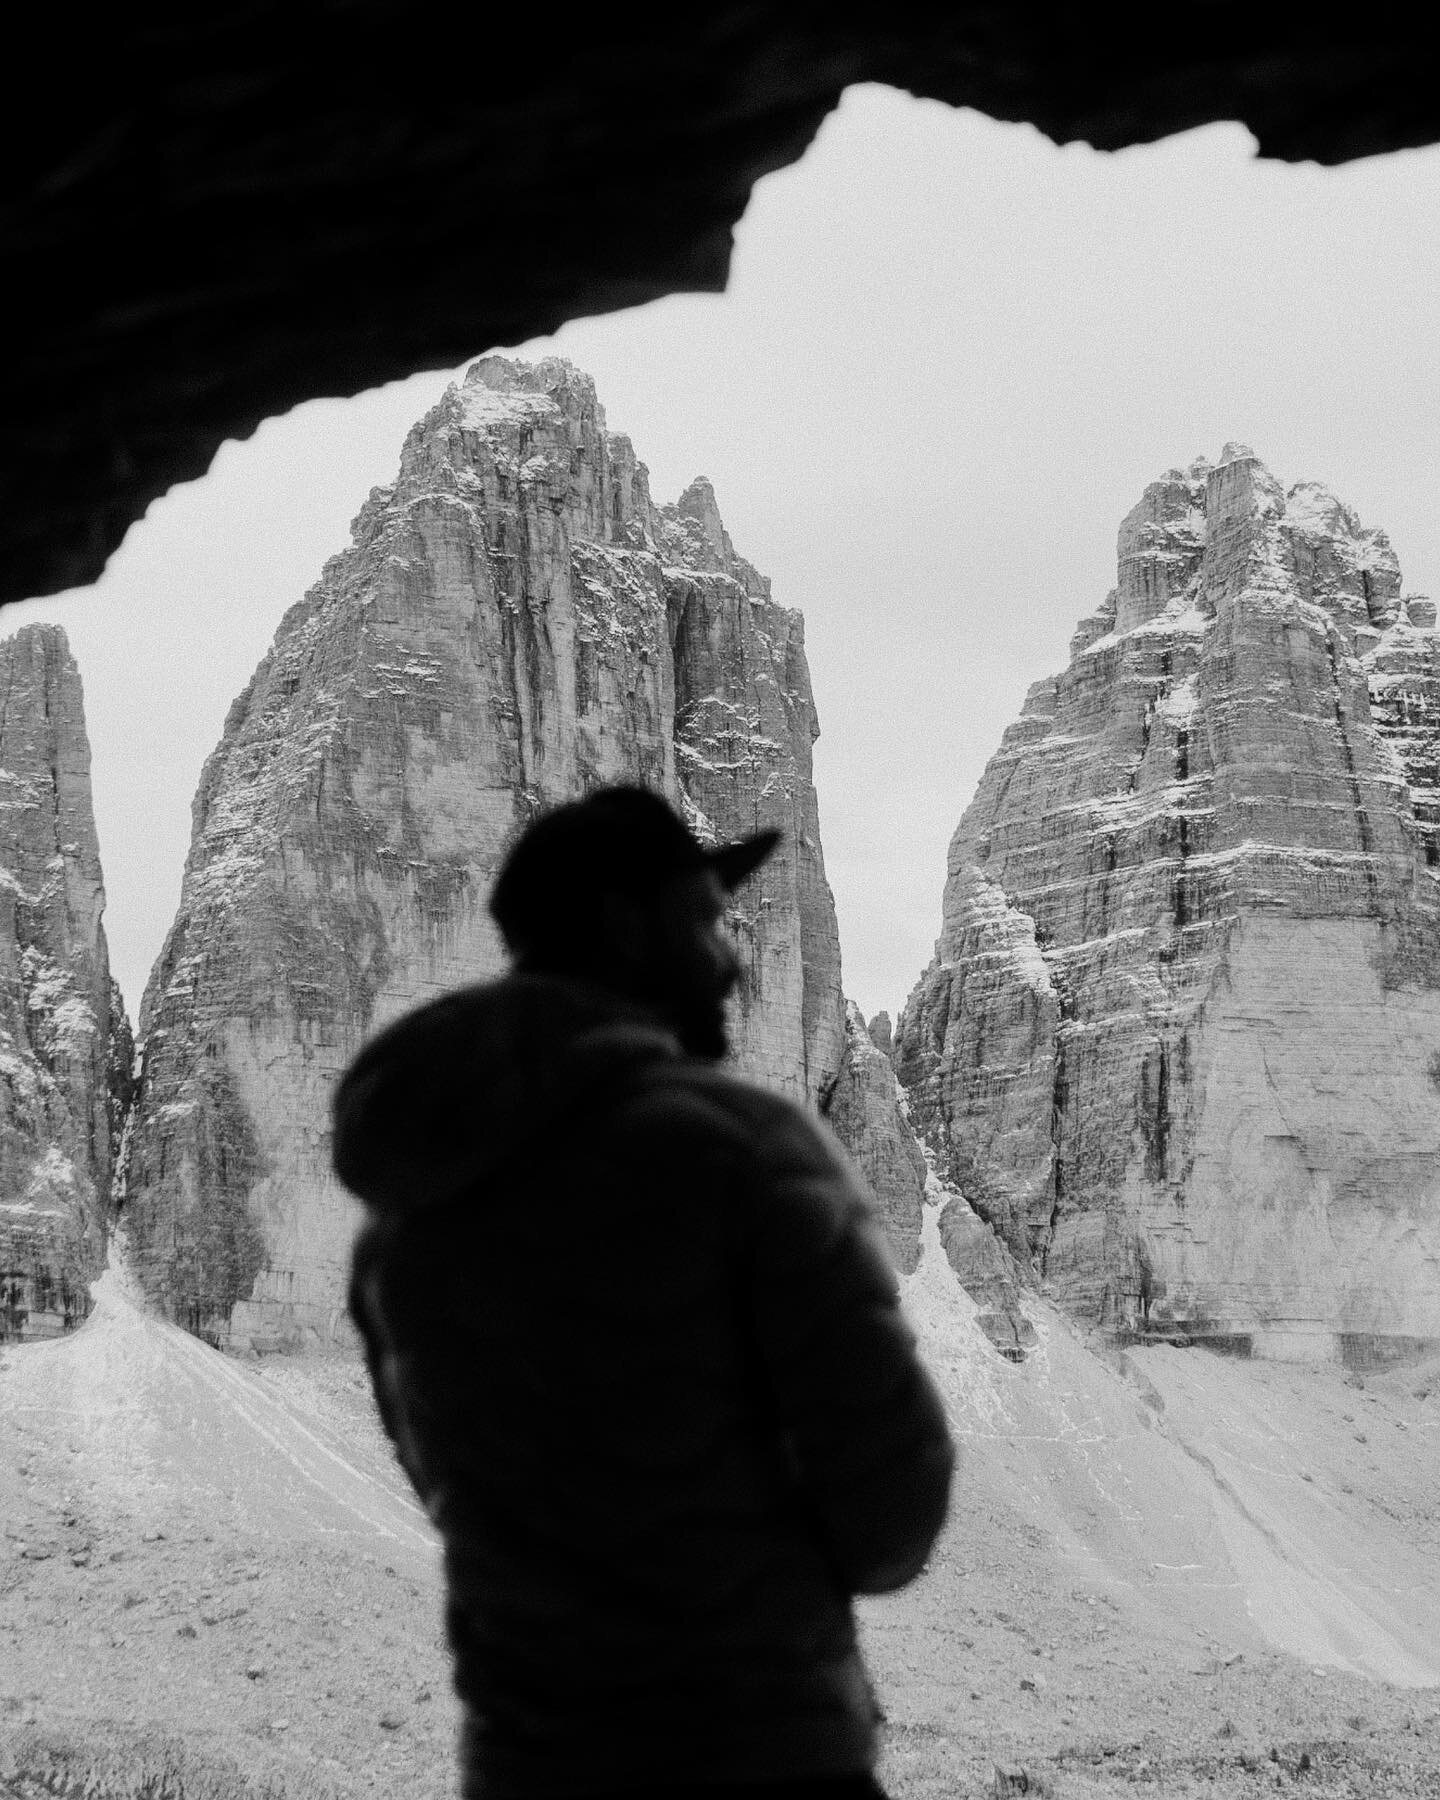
<point x="515" y="622"/>
<point x="64" y="1042"/>
<point x="1180" y="1042"/>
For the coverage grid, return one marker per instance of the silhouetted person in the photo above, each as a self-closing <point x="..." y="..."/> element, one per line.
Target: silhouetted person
<point x="638" y="1343"/>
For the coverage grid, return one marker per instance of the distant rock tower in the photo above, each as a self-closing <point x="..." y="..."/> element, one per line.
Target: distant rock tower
<point x="515" y="622"/>
<point x="1180" y="1042"/>
<point x="64" y="1043"/>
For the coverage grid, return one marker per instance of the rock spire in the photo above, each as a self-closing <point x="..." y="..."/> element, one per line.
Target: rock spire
<point x="515" y="621"/>
<point x="1180" y="1041"/>
<point x="64" y="1043"/>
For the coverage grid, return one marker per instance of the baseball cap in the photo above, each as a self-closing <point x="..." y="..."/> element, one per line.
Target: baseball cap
<point x="618" y="839"/>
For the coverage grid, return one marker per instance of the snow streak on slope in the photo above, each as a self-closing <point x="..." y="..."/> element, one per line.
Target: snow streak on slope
<point x="1223" y="1497"/>
<point x="1331" y="1573"/>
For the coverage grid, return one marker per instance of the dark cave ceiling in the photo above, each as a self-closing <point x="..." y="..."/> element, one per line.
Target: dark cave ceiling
<point x="216" y="213"/>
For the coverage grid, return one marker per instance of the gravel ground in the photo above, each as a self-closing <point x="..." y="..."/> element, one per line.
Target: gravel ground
<point x="1163" y="1575"/>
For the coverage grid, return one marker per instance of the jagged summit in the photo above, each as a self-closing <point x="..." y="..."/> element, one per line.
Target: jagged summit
<point x="499" y="392"/>
<point x="1174" y="551"/>
<point x="1176" y="1036"/>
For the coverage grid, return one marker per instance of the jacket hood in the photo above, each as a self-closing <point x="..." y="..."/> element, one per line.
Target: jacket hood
<point x="452" y="1091"/>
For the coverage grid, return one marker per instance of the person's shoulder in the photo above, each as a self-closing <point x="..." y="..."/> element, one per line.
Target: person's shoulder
<point x="706" y="1096"/>
<point x="777" y="1119"/>
<point x="685" y="1092"/>
<point x="696" y="1081"/>
<point x="436" y="1029"/>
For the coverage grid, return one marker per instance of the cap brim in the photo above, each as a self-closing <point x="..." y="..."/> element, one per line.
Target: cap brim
<point x="733" y="863"/>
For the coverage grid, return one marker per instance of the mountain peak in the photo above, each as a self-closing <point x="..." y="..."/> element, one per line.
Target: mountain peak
<point x="514" y="625"/>
<point x="1216" y="833"/>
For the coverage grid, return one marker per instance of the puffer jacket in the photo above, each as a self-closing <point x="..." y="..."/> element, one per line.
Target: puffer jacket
<point x="637" y="1341"/>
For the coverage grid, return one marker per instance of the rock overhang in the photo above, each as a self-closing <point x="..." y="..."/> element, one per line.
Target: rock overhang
<point x="223" y="215"/>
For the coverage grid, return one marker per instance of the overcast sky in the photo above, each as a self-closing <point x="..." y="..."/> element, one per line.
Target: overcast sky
<point x="949" y="361"/>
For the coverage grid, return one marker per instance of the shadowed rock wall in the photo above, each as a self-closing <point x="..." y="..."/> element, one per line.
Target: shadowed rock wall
<point x="64" y="1043"/>
<point x="1179" y="1037"/>
<point x="515" y="622"/>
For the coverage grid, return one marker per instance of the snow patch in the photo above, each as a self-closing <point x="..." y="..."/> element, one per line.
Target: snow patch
<point x="51" y="1174"/>
<point x="1180" y="704"/>
<point x="1008" y="933"/>
<point x="1182" y="618"/>
<point x="486" y="409"/>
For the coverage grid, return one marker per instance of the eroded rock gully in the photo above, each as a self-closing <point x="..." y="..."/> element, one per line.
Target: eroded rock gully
<point x="1181" y="1035"/>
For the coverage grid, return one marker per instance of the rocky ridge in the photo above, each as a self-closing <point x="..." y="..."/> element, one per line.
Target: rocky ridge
<point x="1193" y="907"/>
<point x="515" y="622"/>
<point x="65" y="1048"/>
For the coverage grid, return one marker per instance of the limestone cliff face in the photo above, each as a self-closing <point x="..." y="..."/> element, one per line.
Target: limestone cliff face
<point x="515" y="622"/>
<point x="1181" y="1036"/>
<point x="64" y="1042"/>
